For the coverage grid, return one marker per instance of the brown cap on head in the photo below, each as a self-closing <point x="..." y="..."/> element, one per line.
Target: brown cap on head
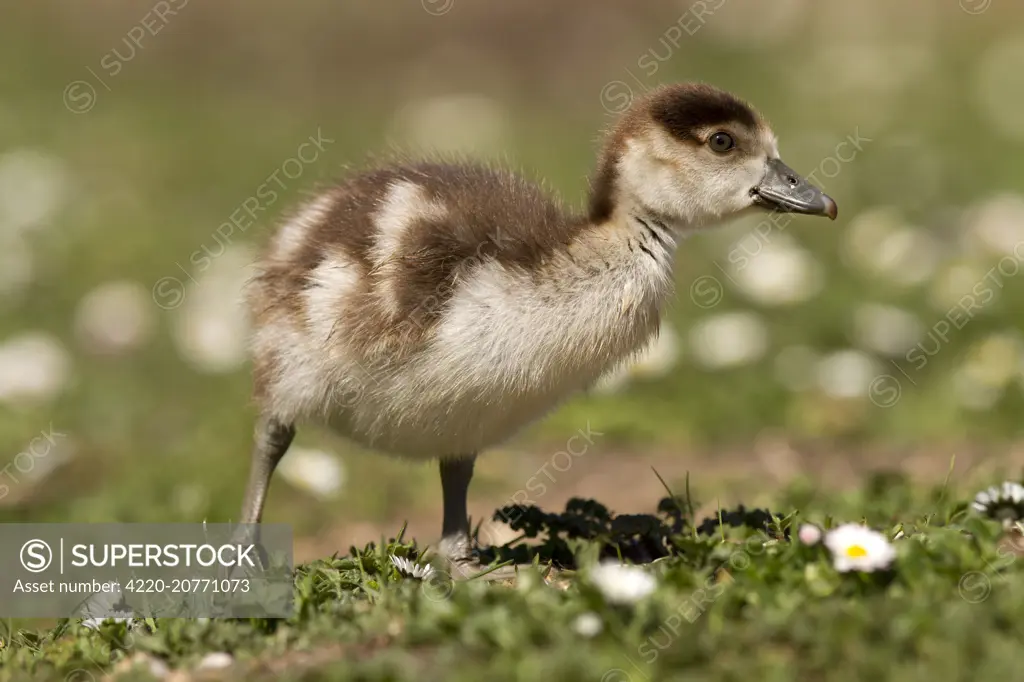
<point x="687" y="108"/>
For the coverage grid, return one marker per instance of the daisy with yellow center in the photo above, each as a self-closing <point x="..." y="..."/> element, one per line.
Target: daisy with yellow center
<point x="857" y="548"/>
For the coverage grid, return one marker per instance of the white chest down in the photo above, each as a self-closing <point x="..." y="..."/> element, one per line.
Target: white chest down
<point x="507" y="351"/>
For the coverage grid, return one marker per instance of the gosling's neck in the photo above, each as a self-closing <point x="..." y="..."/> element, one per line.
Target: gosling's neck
<point x="631" y="183"/>
<point x="617" y="263"/>
<point x="622" y="224"/>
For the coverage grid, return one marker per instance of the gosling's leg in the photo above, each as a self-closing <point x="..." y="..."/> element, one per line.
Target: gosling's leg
<point x="272" y="439"/>
<point x="456" y="545"/>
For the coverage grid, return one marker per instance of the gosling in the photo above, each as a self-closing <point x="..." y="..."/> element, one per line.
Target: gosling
<point x="432" y="310"/>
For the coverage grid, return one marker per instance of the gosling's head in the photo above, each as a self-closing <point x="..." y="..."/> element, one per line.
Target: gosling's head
<point x="695" y="155"/>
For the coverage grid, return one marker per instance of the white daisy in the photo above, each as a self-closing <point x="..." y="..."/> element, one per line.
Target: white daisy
<point x="211" y="327"/>
<point x="880" y="243"/>
<point x="858" y="548"/>
<point x="955" y="280"/>
<point x="588" y="624"/>
<point x="118" y="617"/>
<point x="1004" y="502"/>
<point x="729" y="340"/>
<point x="103" y="607"/>
<point x="621" y="584"/>
<point x="809" y="534"/>
<point x="847" y="373"/>
<point x="994" y="362"/>
<point x="996" y="225"/>
<point x="217" y="660"/>
<point x="886" y="329"/>
<point x="154" y="666"/>
<point x="781" y="273"/>
<point x="411" y="569"/>
<point x="315" y="471"/>
<point x="34" y="366"/>
<point x="114" y="318"/>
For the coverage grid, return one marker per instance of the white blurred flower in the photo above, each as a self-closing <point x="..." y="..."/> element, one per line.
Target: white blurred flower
<point x="622" y="584"/>
<point x="100" y="607"/>
<point x="314" y="471"/>
<point x="809" y="534"/>
<point x="114" y="318"/>
<point x="729" y="340"/>
<point x="780" y="273"/>
<point x="886" y="329"/>
<point x="866" y="231"/>
<point x="33" y="366"/>
<point x="796" y="367"/>
<point x="190" y="499"/>
<point x="878" y="242"/>
<point x="655" y="360"/>
<point x="857" y="548"/>
<point x="154" y="666"/>
<point x="411" y="569"/>
<point x="847" y="373"/>
<point x="991" y="365"/>
<point x="997" y="225"/>
<point x="211" y="327"/>
<point x="958" y="280"/>
<point x="217" y="660"/>
<point x="1003" y="503"/>
<point x="1000" y="87"/>
<point x="908" y="256"/>
<point x="995" y="360"/>
<point x="973" y="395"/>
<point x="464" y="122"/>
<point x="118" y="617"/>
<point x="588" y="624"/>
<point x="33" y="187"/>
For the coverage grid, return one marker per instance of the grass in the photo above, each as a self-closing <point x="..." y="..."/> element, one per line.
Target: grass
<point x="185" y="135"/>
<point x="733" y="601"/>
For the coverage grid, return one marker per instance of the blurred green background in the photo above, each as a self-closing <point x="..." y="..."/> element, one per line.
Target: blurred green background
<point x="130" y="133"/>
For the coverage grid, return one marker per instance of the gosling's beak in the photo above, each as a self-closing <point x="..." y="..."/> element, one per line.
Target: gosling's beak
<point x="783" y="190"/>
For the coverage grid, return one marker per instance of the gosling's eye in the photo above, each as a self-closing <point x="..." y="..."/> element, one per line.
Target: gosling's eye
<point x="721" y="142"/>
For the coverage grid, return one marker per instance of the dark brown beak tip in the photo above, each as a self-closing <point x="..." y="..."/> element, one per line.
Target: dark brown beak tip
<point x="831" y="210"/>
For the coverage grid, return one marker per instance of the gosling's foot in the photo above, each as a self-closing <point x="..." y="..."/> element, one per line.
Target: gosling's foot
<point x="456" y="558"/>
